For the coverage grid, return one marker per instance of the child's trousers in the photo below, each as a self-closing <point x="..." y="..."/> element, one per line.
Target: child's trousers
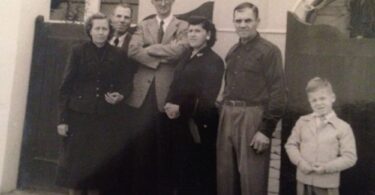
<point x="304" y="189"/>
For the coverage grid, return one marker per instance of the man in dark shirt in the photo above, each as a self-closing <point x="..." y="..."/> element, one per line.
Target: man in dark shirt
<point x="121" y="172"/>
<point x="253" y="102"/>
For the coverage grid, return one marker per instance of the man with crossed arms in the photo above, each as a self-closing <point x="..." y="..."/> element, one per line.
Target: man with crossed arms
<point x="156" y="46"/>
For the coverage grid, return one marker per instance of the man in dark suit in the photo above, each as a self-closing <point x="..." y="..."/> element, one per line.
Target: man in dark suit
<point x="156" y="46"/>
<point x="120" y="182"/>
<point x="120" y="21"/>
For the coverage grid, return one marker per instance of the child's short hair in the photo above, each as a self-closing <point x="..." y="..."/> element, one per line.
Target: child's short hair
<point x="318" y="83"/>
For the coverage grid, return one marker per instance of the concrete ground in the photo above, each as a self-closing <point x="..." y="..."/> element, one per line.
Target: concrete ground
<point x="29" y="192"/>
<point x="274" y="175"/>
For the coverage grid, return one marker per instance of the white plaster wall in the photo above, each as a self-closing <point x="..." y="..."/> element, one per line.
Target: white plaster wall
<point x="272" y="14"/>
<point x="16" y="37"/>
<point x="8" y="48"/>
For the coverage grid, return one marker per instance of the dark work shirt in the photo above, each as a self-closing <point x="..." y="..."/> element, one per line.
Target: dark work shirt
<point x="255" y="75"/>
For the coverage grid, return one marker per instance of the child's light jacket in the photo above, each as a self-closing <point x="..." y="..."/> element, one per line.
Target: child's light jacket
<point x="332" y="145"/>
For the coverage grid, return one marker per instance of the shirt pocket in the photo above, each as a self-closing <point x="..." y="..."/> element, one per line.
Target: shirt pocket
<point x="253" y="65"/>
<point x="251" y="77"/>
<point x="252" y="69"/>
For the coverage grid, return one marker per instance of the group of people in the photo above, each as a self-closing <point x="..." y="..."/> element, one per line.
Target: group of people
<point x="138" y="111"/>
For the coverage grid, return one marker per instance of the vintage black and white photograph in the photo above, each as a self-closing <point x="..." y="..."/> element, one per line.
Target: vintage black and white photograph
<point x="187" y="97"/>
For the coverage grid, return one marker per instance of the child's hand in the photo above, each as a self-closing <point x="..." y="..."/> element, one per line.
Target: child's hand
<point x="305" y="167"/>
<point x="318" y="168"/>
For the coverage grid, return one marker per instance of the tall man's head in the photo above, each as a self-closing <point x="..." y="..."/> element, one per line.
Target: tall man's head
<point x="163" y="7"/>
<point x="121" y="19"/>
<point x="246" y="20"/>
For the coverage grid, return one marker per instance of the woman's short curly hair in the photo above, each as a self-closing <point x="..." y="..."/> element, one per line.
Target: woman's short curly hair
<point x="97" y="16"/>
<point x="207" y="25"/>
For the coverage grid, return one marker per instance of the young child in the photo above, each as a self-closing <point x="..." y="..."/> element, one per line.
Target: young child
<point x="321" y="145"/>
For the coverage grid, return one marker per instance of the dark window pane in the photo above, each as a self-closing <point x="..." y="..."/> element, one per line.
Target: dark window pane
<point x="72" y="10"/>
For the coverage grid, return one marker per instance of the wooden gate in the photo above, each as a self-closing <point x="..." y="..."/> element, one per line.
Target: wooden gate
<point x="40" y="144"/>
<point x="350" y="65"/>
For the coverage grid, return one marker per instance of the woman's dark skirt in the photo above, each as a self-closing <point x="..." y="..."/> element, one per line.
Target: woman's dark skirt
<point x="195" y="163"/>
<point x="91" y="151"/>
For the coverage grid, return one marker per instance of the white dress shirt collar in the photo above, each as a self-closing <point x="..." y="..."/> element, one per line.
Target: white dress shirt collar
<point x="120" y="38"/>
<point x="166" y="21"/>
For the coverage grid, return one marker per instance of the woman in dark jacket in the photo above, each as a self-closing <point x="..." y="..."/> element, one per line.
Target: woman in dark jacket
<point x="96" y="79"/>
<point x="191" y="103"/>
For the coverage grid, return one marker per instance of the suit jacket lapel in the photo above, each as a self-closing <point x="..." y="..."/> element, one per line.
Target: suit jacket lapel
<point x="171" y="30"/>
<point x="153" y="28"/>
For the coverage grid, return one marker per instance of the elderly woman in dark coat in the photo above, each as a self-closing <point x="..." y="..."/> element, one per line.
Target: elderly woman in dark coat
<point x="191" y="106"/>
<point x="96" y="79"/>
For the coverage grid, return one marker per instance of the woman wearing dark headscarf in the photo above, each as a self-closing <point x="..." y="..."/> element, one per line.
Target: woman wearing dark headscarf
<point x="191" y="106"/>
<point x="96" y="80"/>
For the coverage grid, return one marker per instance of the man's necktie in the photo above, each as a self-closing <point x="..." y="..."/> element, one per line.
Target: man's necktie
<point x="116" y="42"/>
<point x="161" y="32"/>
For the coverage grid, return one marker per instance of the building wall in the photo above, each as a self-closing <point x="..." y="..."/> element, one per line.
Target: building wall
<point x="272" y="15"/>
<point x="16" y="37"/>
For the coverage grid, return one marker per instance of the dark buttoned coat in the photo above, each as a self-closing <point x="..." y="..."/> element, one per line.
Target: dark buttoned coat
<point x="195" y="87"/>
<point x="196" y="84"/>
<point x="89" y="76"/>
<point x="95" y="137"/>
